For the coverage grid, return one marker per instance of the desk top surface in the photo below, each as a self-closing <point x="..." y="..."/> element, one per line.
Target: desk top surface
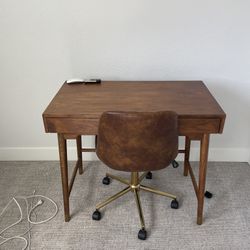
<point x="187" y="98"/>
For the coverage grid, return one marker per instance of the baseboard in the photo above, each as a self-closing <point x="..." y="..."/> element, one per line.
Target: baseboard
<point x="40" y="154"/>
<point x="51" y="153"/>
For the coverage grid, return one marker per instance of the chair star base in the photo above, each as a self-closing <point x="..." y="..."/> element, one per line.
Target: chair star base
<point x="134" y="185"/>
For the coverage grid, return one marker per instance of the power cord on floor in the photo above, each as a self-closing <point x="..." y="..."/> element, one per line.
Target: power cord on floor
<point x="29" y="213"/>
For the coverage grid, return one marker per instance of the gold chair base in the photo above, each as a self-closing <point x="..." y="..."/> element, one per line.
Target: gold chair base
<point x="134" y="186"/>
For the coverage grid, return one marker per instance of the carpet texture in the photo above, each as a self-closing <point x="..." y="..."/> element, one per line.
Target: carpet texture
<point x="226" y="216"/>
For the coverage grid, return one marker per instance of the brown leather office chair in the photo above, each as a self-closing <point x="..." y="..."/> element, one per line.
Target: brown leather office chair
<point x="137" y="142"/>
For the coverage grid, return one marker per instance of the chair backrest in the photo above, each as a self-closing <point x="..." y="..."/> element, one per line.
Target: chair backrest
<point x="137" y="141"/>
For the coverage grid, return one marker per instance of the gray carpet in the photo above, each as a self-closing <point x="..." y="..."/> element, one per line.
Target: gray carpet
<point x="226" y="215"/>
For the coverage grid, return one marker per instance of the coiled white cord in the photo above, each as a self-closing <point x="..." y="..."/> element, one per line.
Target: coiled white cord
<point x="29" y="212"/>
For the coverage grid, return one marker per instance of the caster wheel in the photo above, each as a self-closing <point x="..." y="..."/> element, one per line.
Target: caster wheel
<point x="106" y="180"/>
<point x="142" y="234"/>
<point x="208" y="195"/>
<point x="149" y="175"/>
<point x="96" y="215"/>
<point x="175" y="164"/>
<point x="174" y="204"/>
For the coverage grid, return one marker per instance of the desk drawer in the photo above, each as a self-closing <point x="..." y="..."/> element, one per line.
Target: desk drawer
<point x="71" y="126"/>
<point x="189" y="126"/>
<point x="90" y="126"/>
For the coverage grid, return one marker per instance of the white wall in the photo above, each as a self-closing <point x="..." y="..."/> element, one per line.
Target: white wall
<point x="42" y="43"/>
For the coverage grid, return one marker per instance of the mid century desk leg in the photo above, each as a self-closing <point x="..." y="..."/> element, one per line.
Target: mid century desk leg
<point x="79" y="153"/>
<point x="202" y="176"/>
<point x="62" y="144"/>
<point x="186" y="156"/>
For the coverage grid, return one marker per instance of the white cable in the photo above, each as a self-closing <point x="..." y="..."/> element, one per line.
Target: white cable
<point x="15" y="223"/>
<point x="29" y="212"/>
<point x="29" y="227"/>
<point x="16" y="237"/>
<point x="38" y="204"/>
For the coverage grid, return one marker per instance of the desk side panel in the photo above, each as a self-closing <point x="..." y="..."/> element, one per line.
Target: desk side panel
<point x="222" y="122"/>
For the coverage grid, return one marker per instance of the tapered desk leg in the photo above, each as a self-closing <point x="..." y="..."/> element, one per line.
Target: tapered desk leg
<point x="62" y="144"/>
<point x="202" y="176"/>
<point x="79" y="153"/>
<point x="186" y="156"/>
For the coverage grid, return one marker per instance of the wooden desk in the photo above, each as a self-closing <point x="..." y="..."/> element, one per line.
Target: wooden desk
<point x="76" y="109"/>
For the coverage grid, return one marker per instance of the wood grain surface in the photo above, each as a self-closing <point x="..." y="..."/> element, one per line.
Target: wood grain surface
<point x="77" y="108"/>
